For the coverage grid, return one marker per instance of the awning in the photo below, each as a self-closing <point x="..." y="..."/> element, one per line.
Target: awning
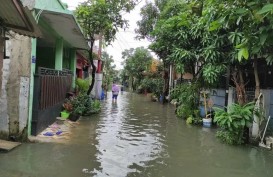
<point x="66" y="26"/>
<point x="18" y="19"/>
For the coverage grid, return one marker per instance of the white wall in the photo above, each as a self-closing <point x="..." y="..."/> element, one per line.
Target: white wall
<point x="15" y="86"/>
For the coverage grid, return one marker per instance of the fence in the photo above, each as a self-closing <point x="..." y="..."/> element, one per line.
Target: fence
<point x="50" y="88"/>
<point x="54" y="85"/>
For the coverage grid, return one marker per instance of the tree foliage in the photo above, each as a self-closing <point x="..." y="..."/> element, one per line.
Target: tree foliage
<point x="109" y="71"/>
<point x="102" y="17"/>
<point x="206" y="37"/>
<point x="136" y="62"/>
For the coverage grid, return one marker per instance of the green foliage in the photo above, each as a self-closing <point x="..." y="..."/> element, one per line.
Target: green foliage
<point x="146" y="24"/>
<point x="229" y="137"/>
<point x="96" y="106"/>
<point x="82" y="85"/>
<point x="187" y="94"/>
<point x="153" y="85"/>
<point x="268" y="8"/>
<point x="234" y="122"/>
<point x="195" y="118"/>
<point x="103" y="17"/>
<point x="212" y="33"/>
<point x="189" y="120"/>
<point x="184" y="111"/>
<point x="187" y="99"/>
<point x="82" y="104"/>
<point x="212" y="73"/>
<point x="182" y="37"/>
<point x="109" y="72"/>
<point x="136" y="63"/>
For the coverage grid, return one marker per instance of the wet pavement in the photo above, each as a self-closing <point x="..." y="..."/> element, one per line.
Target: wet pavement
<point x="136" y="138"/>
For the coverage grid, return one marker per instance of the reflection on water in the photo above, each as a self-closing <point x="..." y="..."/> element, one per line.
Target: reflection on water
<point x="127" y="139"/>
<point x="137" y="138"/>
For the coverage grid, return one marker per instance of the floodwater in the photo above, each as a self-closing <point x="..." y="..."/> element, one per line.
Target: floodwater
<point x="137" y="138"/>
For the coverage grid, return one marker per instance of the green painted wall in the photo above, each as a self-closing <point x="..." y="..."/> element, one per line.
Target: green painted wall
<point x="59" y="51"/>
<point x="46" y="58"/>
<point x="31" y="88"/>
<point x="73" y="63"/>
<point x="66" y="58"/>
<point x="52" y="5"/>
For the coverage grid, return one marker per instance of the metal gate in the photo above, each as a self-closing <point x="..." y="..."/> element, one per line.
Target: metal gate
<point x="50" y="89"/>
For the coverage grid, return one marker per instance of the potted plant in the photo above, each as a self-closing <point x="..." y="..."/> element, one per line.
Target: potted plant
<point x="68" y="107"/>
<point x="80" y="105"/>
<point x="75" y="114"/>
<point x="77" y="108"/>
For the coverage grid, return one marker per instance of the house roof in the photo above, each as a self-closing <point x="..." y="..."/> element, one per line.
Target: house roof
<point x="18" y="18"/>
<point x="66" y="26"/>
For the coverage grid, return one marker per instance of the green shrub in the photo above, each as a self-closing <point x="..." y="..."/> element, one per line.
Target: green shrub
<point x="186" y="93"/>
<point x="153" y="85"/>
<point x="184" y="111"/>
<point x="189" y="120"/>
<point x="195" y="118"/>
<point x="96" y="106"/>
<point x="234" y="122"/>
<point x="228" y="137"/>
<point x="82" y="85"/>
<point x="82" y="104"/>
<point x="187" y="99"/>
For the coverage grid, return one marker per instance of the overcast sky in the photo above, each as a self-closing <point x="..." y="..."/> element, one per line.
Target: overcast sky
<point x="124" y="39"/>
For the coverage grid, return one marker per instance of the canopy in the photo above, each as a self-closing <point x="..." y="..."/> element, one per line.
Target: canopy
<point x="18" y="18"/>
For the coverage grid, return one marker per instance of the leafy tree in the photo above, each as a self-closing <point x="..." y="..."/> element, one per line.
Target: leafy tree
<point x="136" y="61"/>
<point x="204" y="37"/>
<point x="108" y="69"/>
<point x="103" y="18"/>
<point x="125" y="74"/>
<point x="151" y="27"/>
<point x="248" y="28"/>
<point x="153" y="81"/>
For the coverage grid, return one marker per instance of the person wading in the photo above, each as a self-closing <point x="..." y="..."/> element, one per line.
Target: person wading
<point x="115" y="92"/>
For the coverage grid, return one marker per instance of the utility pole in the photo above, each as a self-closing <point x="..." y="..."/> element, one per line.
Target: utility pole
<point x="99" y="73"/>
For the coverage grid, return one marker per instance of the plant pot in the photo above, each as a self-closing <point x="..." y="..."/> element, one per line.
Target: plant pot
<point x="65" y="114"/>
<point x="74" y="117"/>
<point x="207" y="122"/>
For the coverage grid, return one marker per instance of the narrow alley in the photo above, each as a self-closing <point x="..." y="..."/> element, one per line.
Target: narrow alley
<point x="136" y="137"/>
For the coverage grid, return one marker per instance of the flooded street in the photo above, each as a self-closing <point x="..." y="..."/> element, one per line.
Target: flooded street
<point x="137" y="138"/>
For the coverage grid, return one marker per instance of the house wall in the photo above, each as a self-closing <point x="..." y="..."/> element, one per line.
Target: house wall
<point x="3" y="115"/>
<point x="267" y="101"/>
<point x="55" y="5"/>
<point x="15" y="86"/>
<point x="1" y="59"/>
<point x="218" y="97"/>
<point x="66" y="58"/>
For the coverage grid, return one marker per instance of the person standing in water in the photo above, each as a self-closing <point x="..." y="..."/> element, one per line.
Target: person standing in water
<point x="115" y="92"/>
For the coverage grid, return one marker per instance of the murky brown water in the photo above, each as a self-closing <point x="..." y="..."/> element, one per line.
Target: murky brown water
<point x="136" y="137"/>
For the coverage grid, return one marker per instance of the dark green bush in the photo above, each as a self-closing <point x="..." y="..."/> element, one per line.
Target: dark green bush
<point x="82" y="85"/>
<point x="187" y="95"/>
<point x="234" y="122"/>
<point x="153" y="85"/>
<point x="82" y="104"/>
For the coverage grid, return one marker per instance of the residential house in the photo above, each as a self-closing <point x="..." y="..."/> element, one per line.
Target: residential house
<point x="83" y="66"/>
<point x="17" y="26"/>
<point x="49" y="65"/>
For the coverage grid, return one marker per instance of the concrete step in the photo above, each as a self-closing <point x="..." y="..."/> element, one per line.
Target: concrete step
<point x="8" y="145"/>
